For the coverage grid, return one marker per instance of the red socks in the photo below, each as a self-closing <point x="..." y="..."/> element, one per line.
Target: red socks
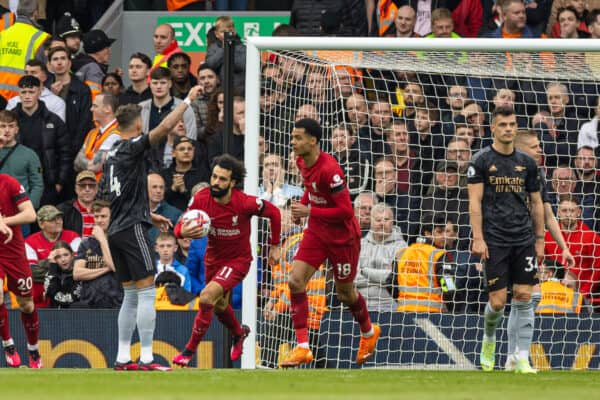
<point x="31" y="323"/>
<point x="229" y="320"/>
<point x="201" y="324"/>
<point x="300" y="316"/>
<point x="4" y="329"/>
<point x="360" y="314"/>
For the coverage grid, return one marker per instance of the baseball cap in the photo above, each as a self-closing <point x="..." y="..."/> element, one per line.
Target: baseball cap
<point x="48" y="213"/>
<point x="85" y="175"/>
<point x="96" y="40"/>
<point x="67" y="25"/>
<point x="181" y="139"/>
<point x="444" y="166"/>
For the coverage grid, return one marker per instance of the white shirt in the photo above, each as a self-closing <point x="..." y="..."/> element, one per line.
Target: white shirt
<point x="108" y="143"/>
<point x="53" y="103"/>
<point x="588" y="134"/>
<point x="423" y="23"/>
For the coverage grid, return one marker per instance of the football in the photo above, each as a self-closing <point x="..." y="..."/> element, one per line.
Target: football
<point x="197" y="218"/>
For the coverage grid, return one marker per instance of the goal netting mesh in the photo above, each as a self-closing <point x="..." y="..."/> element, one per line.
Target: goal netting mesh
<point x="404" y="125"/>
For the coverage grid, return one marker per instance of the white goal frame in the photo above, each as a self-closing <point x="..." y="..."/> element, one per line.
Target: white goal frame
<point x="256" y="44"/>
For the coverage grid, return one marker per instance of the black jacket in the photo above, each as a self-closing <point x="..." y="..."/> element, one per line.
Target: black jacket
<point x="79" y="114"/>
<point x="51" y="144"/>
<point x="72" y="218"/>
<point x="306" y="16"/>
<point x="191" y="177"/>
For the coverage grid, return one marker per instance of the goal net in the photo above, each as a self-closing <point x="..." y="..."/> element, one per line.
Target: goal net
<point x="404" y="125"/>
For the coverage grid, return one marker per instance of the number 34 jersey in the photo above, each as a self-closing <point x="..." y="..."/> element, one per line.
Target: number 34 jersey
<point x="124" y="184"/>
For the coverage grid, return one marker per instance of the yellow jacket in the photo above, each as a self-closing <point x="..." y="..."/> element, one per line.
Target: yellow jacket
<point x="558" y="299"/>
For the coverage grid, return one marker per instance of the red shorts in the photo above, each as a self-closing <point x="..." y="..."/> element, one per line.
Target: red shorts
<point x="228" y="276"/>
<point x="343" y="258"/>
<point x="19" y="277"/>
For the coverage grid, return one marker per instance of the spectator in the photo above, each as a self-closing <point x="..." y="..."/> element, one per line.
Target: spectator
<point x="209" y="79"/>
<point x="112" y="84"/>
<point x="583" y="243"/>
<point x="357" y="114"/>
<point x="68" y="28"/>
<point x="458" y="151"/>
<point x="94" y="266"/>
<point x="413" y="97"/>
<point x="588" y="186"/>
<point x="563" y="182"/>
<point x="422" y="277"/>
<point x="571" y="24"/>
<point x="139" y="90"/>
<point x="183" y="80"/>
<point x="76" y="95"/>
<point x="274" y="188"/>
<point x="216" y="53"/>
<point x="356" y="166"/>
<point x="405" y="21"/>
<point x="23" y="34"/>
<point x="19" y="161"/>
<point x="380" y="122"/>
<point x="165" y="247"/>
<point x="60" y="287"/>
<point x="593" y="23"/>
<point x="514" y="23"/>
<point x="53" y="103"/>
<point x="182" y="175"/>
<point x="78" y="214"/>
<point x="559" y="130"/>
<point x="588" y="133"/>
<point x="158" y="205"/>
<point x="363" y="204"/>
<point x="427" y="141"/>
<point x="557" y="298"/>
<point x="580" y="8"/>
<point x="385" y="186"/>
<point x="306" y="16"/>
<point x="165" y="45"/>
<point x="101" y="138"/>
<point x="408" y="165"/>
<point x="91" y="67"/>
<point x="39" y="245"/>
<point x="442" y="24"/>
<point x="215" y="141"/>
<point x="45" y="133"/>
<point x="457" y="95"/>
<point x="377" y="251"/>
<point x="155" y="109"/>
<point x="475" y="117"/>
<point x="320" y="95"/>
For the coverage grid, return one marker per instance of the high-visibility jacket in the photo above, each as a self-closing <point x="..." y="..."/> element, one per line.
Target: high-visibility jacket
<point x="18" y="44"/>
<point x="95" y="88"/>
<point x="174" y="5"/>
<point x="315" y="288"/>
<point x="93" y="141"/>
<point x="386" y="15"/>
<point x="162" y="302"/>
<point x="418" y="286"/>
<point x="8" y="20"/>
<point x="558" y="299"/>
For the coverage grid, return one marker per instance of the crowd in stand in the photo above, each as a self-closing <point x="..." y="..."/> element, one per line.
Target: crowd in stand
<point x="403" y="138"/>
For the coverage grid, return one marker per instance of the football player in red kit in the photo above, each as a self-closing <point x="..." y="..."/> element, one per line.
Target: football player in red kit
<point x="228" y="254"/>
<point x="15" y="210"/>
<point x="332" y="233"/>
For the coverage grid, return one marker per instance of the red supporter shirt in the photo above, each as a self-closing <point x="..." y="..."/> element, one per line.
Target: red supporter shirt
<point x="331" y="216"/>
<point x="12" y="194"/>
<point x="229" y="236"/>
<point x="584" y="244"/>
<point x="39" y="248"/>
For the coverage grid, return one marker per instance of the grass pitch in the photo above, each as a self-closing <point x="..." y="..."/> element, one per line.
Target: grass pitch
<point x="83" y="384"/>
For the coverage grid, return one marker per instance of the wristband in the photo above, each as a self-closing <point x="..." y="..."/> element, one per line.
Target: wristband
<point x="187" y="101"/>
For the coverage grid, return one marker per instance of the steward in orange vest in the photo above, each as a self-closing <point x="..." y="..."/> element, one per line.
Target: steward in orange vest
<point x="93" y="148"/>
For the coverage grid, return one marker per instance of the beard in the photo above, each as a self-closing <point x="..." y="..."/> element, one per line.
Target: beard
<point x="217" y="192"/>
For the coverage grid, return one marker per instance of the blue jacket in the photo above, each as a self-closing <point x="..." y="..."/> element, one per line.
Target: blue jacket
<point x="181" y="270"/>
<point x="195" y="266"/>
<point x="528" y="33"/>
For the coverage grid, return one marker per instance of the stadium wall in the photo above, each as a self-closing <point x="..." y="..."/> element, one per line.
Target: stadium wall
<point x="88" y="338"/>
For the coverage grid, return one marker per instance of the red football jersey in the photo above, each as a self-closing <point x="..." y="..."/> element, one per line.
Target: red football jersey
<point x="331" y="215"/>
<point x="229" y="236"/>
<point x="12" y="193"/>
<point x="38" y="248"/>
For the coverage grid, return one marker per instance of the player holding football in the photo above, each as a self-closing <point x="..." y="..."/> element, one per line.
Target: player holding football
<point x="228" y="254"/>
<point x="504" y="199"/>
<point x="16" y="209"/>
<point x="332" y="233"/>
<point x="124" y="184"/>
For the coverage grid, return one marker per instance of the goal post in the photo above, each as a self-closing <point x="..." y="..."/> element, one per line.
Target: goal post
<point x="415" y="339"/>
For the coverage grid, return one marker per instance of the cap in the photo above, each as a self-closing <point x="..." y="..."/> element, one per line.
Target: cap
<point x="67" y="25"/>
<point x="96" y="40"/>
<point x="443" y="166"/>
<point x="85" y="175"/>
<point x="181" y="139"/>
<point x="48" y="213"/>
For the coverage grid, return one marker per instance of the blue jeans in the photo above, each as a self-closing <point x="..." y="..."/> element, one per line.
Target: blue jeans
<point x="231" y="5"/>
